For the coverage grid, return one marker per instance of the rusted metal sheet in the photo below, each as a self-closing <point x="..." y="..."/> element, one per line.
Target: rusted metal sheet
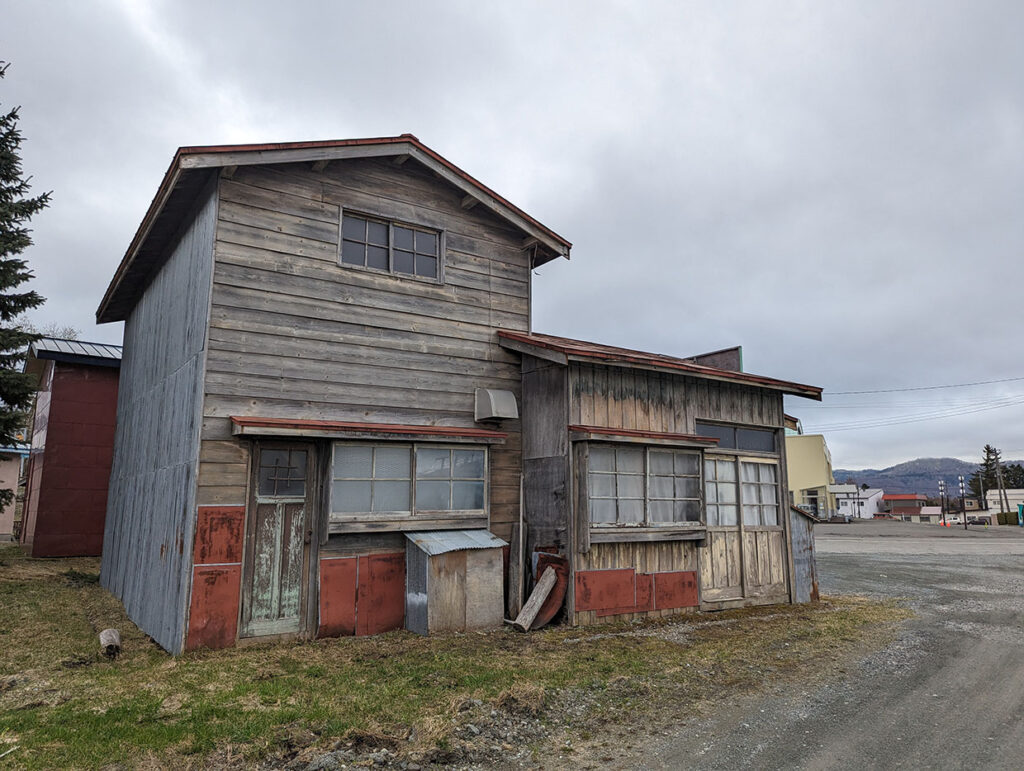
<point x="381" y="594"/>
<point x="605" y="589"/>
<point x="644" y="597"/>
<point x="242" y="425"/>
<point x="556" y="597"/>
<point x="676" y="589"/>
<point x="213" y="616"/>
<point x="338" y="584"/>
<point x="219" y="534"/>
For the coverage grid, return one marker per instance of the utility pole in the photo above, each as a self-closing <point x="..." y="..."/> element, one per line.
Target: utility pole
<point x="942" y="500"/>
<point x="963" y="508"/>
<point x="1003" y="498"/>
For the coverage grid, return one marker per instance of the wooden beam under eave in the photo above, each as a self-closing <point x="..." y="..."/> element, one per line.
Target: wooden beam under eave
<point x="469" y="202"/>
<point x="228" y="171"/>
<point x="321" y="164"/>
<point x="528" y="242"/>
<point x="400" y="159"/>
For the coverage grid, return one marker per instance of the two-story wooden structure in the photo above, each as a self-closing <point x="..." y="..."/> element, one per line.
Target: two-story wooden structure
<point x="327" y="348"/>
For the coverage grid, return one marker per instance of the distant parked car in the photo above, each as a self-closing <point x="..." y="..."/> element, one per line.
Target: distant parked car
<point x="977" y="521"/>
<point x="953" y="521"/>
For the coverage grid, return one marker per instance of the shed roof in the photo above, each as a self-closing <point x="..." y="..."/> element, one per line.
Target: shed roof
<point x="192" y="168"/>
<point x="76" y="352"/>
<point x="563" y="350"/>
<point x="434" y="542"/>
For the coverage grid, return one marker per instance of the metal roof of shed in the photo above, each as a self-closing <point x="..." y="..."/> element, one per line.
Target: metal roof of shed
<point x="76" y="351"/>
<point x="434" y="542"/>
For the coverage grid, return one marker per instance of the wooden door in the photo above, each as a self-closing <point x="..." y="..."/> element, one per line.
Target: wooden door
<point x="721" y="559"/>
<point x="276" y="590"/>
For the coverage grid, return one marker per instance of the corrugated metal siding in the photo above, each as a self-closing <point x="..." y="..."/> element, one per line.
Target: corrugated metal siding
<point x="443" y="541"/>
<point x="151" y="511"/>
<point x="75" y="348"/>
<point x="805" y="571"/>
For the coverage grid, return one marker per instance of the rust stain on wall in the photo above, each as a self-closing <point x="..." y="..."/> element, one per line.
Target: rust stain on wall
<point x="219" y="533"/>
<point x="213" y="615"/>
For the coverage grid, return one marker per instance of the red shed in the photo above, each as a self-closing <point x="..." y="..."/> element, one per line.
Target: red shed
<point x="72" y="447"/>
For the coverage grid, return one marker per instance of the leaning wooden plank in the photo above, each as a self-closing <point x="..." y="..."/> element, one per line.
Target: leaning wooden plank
<point x="540" y="593"/>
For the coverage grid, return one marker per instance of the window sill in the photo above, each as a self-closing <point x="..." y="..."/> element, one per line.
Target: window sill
<point x="461" y="522"/>
<point x="634" y="534"/>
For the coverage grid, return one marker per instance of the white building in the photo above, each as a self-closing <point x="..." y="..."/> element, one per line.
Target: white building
<point x="994" y="499"/>
<point x="852" y="501"/>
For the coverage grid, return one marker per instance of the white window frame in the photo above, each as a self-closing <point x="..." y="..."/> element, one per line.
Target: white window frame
<point x="414" y="513"/>
<point x="645" y="475"/>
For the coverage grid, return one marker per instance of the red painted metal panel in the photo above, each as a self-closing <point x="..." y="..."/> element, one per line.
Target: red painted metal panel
<point x="68" y="501"/>
<point x="644" y="597"/>
<point x="219" y="533"/>
<point x="605" y="589"/>
<point x="338" y="582"/>
<point x="556" y="597"/>
<point x="380" y="604"/>
<point x="213" y="617"/>
<point x="373" y="428"/>
<point x="677" y="589"/>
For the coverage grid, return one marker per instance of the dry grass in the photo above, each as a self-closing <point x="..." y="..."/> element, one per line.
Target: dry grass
<point x="64" y="705"/>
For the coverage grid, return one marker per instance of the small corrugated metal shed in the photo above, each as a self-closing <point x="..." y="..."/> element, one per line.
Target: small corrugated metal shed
<point x="453" y="581"/>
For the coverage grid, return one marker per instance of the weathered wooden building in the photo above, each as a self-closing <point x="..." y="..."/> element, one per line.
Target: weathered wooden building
<point x="71" y="446"/>
<point x="326" y="348"/>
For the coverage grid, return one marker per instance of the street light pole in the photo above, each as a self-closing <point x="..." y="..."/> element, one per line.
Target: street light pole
<point x="963" y="508"/>
<point x="942" y="500"/>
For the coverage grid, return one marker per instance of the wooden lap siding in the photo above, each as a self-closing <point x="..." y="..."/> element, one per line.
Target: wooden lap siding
<point x="293" y="334"/>
<point x="151" y="508"/>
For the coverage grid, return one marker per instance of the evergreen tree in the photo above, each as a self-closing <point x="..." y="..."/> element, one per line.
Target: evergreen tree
<point x="16" y="209"/>
<point x="986" y="477"/>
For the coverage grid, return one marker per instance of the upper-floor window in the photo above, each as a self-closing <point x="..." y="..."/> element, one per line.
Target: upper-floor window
<point x="739" y="437"/>
<point x="380" y="244"/>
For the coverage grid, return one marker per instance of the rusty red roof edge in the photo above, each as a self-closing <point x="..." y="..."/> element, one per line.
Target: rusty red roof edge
<point x="644" y="434"/>
<point x="612" y="354"/>
<point x="376" y="428"/>
<point x="904" y="497"/>
<point x="166" y="184"/>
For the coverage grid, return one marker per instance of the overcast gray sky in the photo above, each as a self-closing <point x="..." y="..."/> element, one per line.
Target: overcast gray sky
<point x="838" y="187"/>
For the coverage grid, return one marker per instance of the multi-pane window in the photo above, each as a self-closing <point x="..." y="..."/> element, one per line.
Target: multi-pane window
<point x="282" y="474"/>
<point x="637" y="486"/>
<point x="739" y="437"/>
<point x="759" y="493"/>
<point x="404" y="479"/>
<point x="388" y="246"/>
<point x="720" y="492"/>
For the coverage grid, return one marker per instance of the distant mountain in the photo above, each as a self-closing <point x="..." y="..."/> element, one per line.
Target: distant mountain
<point x="915" y="476"/>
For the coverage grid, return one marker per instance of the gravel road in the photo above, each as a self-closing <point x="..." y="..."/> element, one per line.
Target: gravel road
<point x="948" y="693"/>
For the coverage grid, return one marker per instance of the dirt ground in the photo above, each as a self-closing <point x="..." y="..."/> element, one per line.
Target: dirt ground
<point x="947" y="693"/>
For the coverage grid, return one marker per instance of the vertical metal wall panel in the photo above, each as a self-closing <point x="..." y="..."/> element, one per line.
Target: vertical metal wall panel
<point x="805" y="571"/>
<point x="151" y="509"/>
<point x="415" y="589"/>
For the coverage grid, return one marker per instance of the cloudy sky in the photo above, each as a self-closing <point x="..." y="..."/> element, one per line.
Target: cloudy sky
<point x="838" y="187"/>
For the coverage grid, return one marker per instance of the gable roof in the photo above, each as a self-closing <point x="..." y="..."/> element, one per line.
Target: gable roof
<point x="192" y="168"/>
<point x="563" y="350"/>
<point x="76" y="352"/>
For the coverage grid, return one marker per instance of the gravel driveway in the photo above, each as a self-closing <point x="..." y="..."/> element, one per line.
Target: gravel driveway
<point x="948" y="693"/>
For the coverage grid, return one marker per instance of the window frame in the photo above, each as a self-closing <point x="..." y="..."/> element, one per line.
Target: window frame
<point x="391" y="222"/>
<point x="413" y="515"/>
<point x="646" y="524"/>
<point x="736" y="428"/>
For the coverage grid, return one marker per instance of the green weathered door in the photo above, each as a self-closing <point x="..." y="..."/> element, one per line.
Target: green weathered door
<point x="278" y="536"/>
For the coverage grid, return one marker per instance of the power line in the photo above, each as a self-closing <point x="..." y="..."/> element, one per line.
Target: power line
<point x="896" y="420"/>
<point x="925" y="388"/>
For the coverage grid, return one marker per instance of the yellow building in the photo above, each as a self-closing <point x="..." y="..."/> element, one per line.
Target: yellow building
<point x="809" y="471"/>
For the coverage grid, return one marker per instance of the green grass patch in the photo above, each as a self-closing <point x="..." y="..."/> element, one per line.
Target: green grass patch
<point x="64" y="705"/>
